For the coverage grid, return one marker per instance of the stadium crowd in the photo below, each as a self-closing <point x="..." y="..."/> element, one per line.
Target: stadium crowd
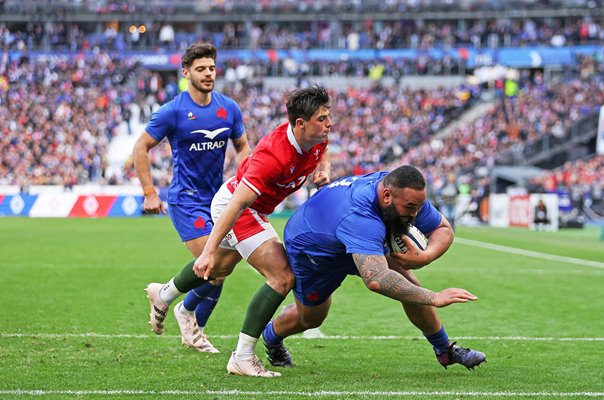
<point x="582" y="179"/>
<point x="367" y="34"/>
<point x="59" y="7"/>
<point x="61" y="118"/>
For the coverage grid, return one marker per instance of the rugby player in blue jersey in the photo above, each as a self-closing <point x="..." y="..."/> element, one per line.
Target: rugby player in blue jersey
<point x="197" y="123"/>
<point x="341" y="231"/>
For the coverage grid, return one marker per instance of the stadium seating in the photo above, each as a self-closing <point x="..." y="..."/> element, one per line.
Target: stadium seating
<point x="67" y="104"/>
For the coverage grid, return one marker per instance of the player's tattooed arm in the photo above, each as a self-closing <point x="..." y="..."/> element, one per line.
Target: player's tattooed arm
<point x="379" y="278"/>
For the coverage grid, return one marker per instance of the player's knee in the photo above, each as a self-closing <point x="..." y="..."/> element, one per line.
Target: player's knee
<point x="311" y="322"/>
<point x="282" y="282"/>
<point x="222" y="271"/>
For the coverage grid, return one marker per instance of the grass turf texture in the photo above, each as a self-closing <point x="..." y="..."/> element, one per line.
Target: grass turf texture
<point x="65" y="278"/>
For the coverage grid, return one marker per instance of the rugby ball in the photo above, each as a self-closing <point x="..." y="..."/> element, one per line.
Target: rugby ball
<point x="398" y="246"/>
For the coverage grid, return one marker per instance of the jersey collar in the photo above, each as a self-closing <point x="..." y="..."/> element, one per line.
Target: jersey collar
<point x="292" y="139"/>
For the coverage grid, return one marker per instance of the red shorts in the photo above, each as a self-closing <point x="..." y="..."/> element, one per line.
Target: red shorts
<point x="251" y="228"/>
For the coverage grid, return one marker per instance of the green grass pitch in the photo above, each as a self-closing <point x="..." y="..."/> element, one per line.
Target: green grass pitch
<point x="73" y="321"/>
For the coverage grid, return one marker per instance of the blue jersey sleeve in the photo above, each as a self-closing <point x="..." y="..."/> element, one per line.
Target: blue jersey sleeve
<point x="428" y="218"/>
<point x="162" y="122"/>
<point x="362" y="235"/>
<point x="238" y="127"/>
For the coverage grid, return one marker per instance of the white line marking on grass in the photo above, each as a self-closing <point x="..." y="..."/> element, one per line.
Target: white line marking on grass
<point x="322" y="393"/>
<point x="302" y="337"/>
<point x="528" y="271"/>
<point x="314" y="333"/>
<point x="529" y="253"/>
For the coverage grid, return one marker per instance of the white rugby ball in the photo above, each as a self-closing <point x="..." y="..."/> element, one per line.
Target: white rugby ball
<point x="398" y="246"/>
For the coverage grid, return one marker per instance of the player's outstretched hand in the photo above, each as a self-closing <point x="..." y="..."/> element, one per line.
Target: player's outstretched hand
<point x="203" y="266"/>
<point x="452" y="295"/>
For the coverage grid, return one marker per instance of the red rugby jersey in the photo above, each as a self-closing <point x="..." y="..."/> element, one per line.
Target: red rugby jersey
<point x="278" y="167"/>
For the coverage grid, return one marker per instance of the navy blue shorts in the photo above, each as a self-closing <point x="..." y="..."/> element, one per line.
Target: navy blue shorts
<point x="317" y="278"/>
<point x="190" y="220"/>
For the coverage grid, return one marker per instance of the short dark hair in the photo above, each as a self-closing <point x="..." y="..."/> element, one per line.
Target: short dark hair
<point x="405" y="176"/>
<point x="304" y="103"/>
<point x="199" y="50"/>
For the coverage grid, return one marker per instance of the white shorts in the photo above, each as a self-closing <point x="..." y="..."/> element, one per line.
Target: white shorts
<point x="251" y="228"/>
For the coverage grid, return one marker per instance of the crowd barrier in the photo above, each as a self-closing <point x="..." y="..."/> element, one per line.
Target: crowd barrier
<point x="508" y="209"/>
<point x="85" y="201"/>
<point x="79" y="201"/>
<point x="518" y="209"/>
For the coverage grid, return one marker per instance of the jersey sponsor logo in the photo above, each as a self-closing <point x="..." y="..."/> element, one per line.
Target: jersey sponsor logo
<point x="221" y="113"/>
<point x="191" y="116"/>
<point x="293" y="184"/>
<point x="211" y="134"/>
<point x="207" y="146"/>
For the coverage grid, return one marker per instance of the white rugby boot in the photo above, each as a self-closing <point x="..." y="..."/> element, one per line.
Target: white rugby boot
<point x="249" y="367"/>
<point x="191" y="335"/>
<point x="159" y="309"/>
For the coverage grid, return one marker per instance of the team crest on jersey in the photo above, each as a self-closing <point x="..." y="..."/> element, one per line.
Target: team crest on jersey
<point x="191" y="116"/>
<point x="221" y="113"/>
<point x="316" y="154"/>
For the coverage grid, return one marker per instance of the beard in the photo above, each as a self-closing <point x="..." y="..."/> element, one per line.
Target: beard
<point x="199" y="87"/>
<point x="395" y="224"/>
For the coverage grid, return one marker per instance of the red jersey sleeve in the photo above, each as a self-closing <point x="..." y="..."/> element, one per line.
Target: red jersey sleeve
<point x="262" y="170"/>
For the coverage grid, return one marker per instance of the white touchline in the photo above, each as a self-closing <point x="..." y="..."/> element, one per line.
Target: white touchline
<point x="322" y="336"/>
<point x="323" y="393"/>
<point x="529" y="253"/>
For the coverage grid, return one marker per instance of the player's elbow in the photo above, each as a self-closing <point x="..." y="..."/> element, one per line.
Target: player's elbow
<point x="374" y="286"/>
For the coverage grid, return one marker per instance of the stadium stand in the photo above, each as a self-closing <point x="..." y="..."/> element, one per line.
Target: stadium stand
<point x="78" y="86"/>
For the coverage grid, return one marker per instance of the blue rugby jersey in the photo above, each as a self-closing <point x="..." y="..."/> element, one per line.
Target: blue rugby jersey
<point x="198" y="137"/>
<point x="344" y="218"/>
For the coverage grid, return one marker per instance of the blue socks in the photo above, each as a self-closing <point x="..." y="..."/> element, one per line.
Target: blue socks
<point x="203" y="300"/>
<point x="439" y="340"/>
<point x="270" y="336"/>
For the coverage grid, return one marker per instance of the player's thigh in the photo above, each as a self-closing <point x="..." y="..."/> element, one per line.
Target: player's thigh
<point x="256" y="240"/>
<point x="249" y="233"/>
<point x="271" y="261"/>
<point x="225" y="261"/>
<point x="195" y="246"/>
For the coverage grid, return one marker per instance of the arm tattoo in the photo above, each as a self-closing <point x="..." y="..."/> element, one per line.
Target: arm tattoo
<point x="379" y="278"/>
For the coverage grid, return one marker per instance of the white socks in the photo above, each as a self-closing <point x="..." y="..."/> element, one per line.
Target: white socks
<point x="246" y="347"/>
<point x="169" y="293"/>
